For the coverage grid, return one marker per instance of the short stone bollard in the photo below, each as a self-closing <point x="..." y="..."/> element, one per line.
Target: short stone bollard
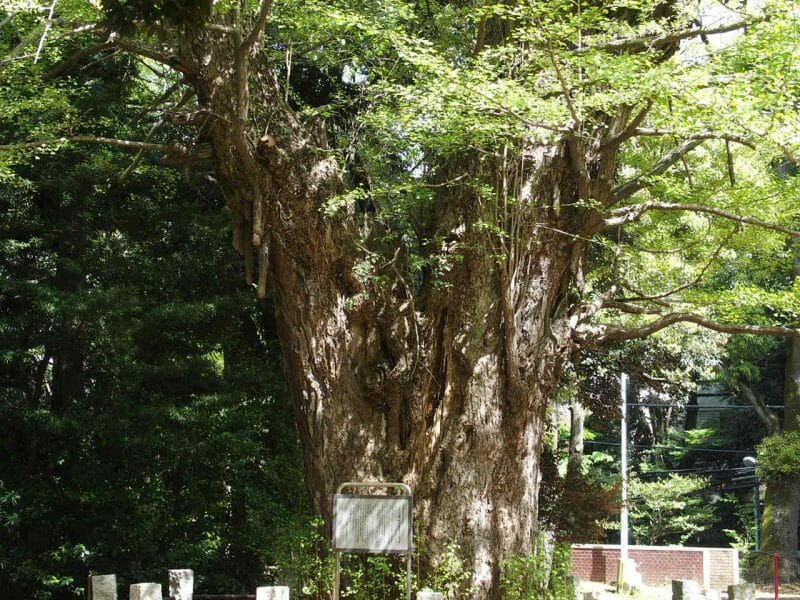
<point x="272" y="592"/>
<point x="742" y="591"/>
<point x="573" y="585"/>
<point x="103" y="587"/>
<point x="599" y="595"/>
<point x="146" y="591"/>
<point x="686" y="589"/>
<point x="430" y="595"/>
<point x="181" y="584"/>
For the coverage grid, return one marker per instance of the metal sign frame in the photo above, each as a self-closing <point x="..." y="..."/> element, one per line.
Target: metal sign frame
<point x="406" y="497"/>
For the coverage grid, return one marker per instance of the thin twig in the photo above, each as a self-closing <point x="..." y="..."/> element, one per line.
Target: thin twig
<point x="47" y="25"/>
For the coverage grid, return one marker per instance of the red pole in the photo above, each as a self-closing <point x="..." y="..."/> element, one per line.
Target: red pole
<point x="776" y="573"/>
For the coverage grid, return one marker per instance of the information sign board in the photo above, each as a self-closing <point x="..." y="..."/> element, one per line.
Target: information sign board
<point x="372" y="524"/>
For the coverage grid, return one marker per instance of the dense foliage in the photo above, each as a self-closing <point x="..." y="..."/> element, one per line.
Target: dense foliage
<point x="143" y="420"/>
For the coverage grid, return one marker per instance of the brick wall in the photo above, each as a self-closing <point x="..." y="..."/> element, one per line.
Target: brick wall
<point x="724" y="567"/>
<point x="714" y="568"/>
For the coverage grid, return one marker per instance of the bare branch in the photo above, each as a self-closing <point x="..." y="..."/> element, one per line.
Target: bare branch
<point x="89" y="139"/>
<point x="689" y="143"/>
<point x="573" y="111"/>
<point x="171" y="60"/>
<point x="83" y="139"/>
<point x="241" y="61"/>
<point x="640" y="293"/>
<point x="630" y="130"/>
<point x="649" y="42"/>
<point x="159" y="101"/>
<point x="68" y="63"/>
<point x="729" y="161"/>
<point x="701" y="135"/>
<point x="173" y="154"/>
<point x="767" y="417"/>
<point x="629" y="188"/>
<point x="604" y="333"/>
<point x="252" y="37"/>
<point x="627" y="214"/>
<point x="574" y="142"/>
<point x="618" y="132"/>
<point x="47" y="25"/>
<point x="138" y="158"/>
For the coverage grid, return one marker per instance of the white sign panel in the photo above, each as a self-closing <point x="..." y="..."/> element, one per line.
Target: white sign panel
<point x="372" y="524"/>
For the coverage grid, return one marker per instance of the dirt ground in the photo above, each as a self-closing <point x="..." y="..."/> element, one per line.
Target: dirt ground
<point x="787" y="592"/>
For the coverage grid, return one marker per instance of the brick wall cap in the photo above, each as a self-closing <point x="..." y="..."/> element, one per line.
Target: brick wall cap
<point x="662" y="548"/>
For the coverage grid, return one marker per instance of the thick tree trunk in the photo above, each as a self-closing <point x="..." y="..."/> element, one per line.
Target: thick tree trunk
<point x="782" y="498"/>
<point x="445" y="389"/>
<point x="779" y="528"/>
<point x="424" y="400"/>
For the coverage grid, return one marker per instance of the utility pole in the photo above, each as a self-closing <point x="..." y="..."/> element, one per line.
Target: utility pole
<point x="627" y="576"/>
<point x="751" y="462"/>
<point x="623" y="462"/>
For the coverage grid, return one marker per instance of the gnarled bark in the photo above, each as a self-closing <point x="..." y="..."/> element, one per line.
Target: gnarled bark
<point x="445" y="390"/>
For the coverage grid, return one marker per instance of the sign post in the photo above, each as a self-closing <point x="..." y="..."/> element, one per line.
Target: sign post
<point x="372" y="524"/>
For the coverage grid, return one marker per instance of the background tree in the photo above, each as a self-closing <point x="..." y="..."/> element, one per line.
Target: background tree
<point x="508" y="171"/>
<point x="143" y="417"/>
<point x="670" y="510"/>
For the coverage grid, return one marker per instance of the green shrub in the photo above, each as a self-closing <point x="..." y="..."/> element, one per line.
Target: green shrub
<point x="538" y="576"/>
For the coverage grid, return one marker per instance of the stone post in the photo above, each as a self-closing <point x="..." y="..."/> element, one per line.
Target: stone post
<point x="146" y="591"/>
<point x="181" y="584"/>
<point x="103" y="587"/>
<point x="742" y="591"/>
<point x="275" y="592"/>
<point x="686" y="589"/>
<point x="573" y="585"/>
<point x="429" y="595"/>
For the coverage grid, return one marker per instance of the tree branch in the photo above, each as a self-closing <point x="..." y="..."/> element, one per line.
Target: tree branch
<point x="648" y="42"/>
<point x="173" y="154"/>
<point x="768" y="418"/>
<point x="623" y="306"/>
<point x="75" y="59"/>
<point x="702" y="135"/>
<point x="627" y="214"/>
<point x="629" y="188"/>
<point x="48" y="24"/>
<point x="241" y="61"/>
<point x="606" y="333"/>
<point x="171" y="60"/>
<point x="261" y="20"/>
<point x="688" y="284"/>
<point x="690" y="142"/>
<point x="140" y="154"/>
<point x="630" y="130"/>
<point x="90" y="139"/>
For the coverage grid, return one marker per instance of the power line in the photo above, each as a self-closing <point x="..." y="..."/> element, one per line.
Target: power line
<point x="721" y="450"/>
<point x="732" y="470"/>
<point x="700" y="407"/>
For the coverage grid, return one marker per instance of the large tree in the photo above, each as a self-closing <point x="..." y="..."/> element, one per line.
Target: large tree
<point x="447" y="201"/>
